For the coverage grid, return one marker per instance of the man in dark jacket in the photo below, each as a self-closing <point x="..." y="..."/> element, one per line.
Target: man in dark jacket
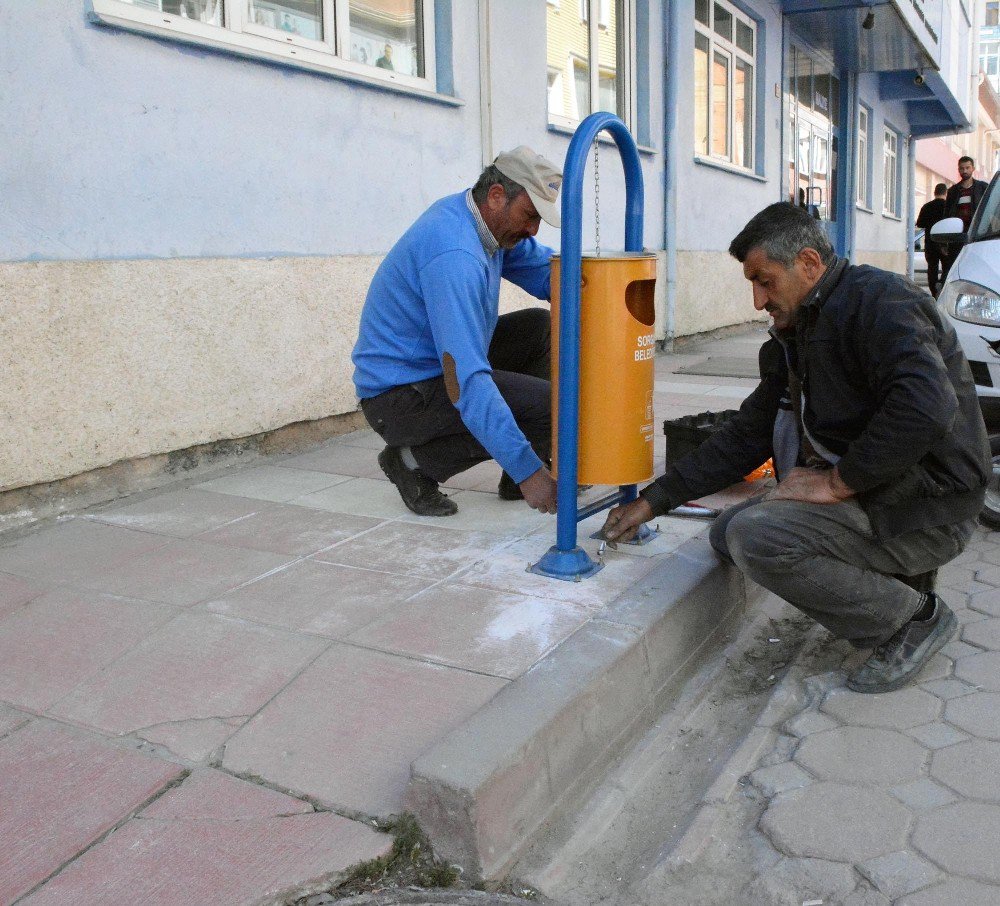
<point x="961" y="201"/>
<point x="931" y="213"/>
<point x="868" y="407"/>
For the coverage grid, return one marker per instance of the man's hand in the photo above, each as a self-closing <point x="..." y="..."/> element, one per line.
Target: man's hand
<point x="540" y="491"/>
<point x="812" y="486"/>
<point x="624" y="521"/>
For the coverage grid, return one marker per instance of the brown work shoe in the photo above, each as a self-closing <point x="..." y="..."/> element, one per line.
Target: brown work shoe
<point x="419" y="493"/>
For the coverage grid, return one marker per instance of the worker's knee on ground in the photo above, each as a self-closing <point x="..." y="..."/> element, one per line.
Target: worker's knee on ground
<point x="717" y="538"/>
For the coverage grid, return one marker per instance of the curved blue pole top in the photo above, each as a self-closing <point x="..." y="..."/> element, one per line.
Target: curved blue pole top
<point x="569" y="294"/>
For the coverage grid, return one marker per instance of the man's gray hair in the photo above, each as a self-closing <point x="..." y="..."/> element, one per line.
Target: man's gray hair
<point x="781" y="231"/>
<point x="491" y="176"/>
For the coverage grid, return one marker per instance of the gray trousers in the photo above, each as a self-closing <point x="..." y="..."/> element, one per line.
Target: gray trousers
<point x="825" y="560"/>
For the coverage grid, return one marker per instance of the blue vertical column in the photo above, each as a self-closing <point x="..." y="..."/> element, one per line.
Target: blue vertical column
<point x="566" y="560"/>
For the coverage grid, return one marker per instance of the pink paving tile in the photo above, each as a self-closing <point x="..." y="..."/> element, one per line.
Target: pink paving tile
<point x="292" y="530"/>
<point x="197" y="863"/>
<point x="15" y="591"/>
<point x="75" y="551"/>
<point x="11" y="719"/>
<point x="320" y="598"/>
<point x="179" y="513"/>
<point x="198" y="666"/>
<point x="347" y="729"/>
<point x="57" y="641"/>
<point x="193" y="740"/>
<point x="185" y="572"/>
<point x="475" y="628"/>
<point x="413" y="549"/>
<point x="208" y="793"/>
<point x="59" y="791"/>
<point x="340" y="459"/>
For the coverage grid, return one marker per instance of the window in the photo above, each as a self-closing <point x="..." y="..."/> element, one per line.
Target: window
<point x="725" y="45"/>
<point x="590" y="60"/>
<point x="992" y="13"/>
<point x="863" y="166"/>
<point x="384" y="39"/>
<point x="890" y="179"/>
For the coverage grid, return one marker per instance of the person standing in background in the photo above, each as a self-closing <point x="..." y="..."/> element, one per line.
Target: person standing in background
<point x="961" y="201"/>
<point x="931" y="213"/>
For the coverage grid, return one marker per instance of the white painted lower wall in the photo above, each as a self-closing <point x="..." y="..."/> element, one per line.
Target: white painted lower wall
<point x="114" y="360"/>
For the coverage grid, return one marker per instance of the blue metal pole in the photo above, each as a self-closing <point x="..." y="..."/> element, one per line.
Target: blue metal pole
<point x="566" y="560"/>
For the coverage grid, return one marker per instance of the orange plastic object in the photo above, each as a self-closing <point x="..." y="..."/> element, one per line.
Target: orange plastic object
<point x="764" y="471"/>
<point x="617" y="347"/>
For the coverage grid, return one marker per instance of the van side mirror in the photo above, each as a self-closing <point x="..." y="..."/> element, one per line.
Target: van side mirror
<point x="951" y="229"/>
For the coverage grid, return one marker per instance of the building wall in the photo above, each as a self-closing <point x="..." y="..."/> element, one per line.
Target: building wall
<point x="187" y="236"/>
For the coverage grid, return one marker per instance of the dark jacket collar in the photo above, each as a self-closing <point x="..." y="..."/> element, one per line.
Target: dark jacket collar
<point x="827" y="283"/>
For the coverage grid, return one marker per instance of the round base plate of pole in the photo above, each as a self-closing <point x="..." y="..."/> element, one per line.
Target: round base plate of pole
<point x="570" y="566"/>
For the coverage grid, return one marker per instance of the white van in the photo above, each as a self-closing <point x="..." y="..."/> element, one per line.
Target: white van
<point x="971" y="295"/>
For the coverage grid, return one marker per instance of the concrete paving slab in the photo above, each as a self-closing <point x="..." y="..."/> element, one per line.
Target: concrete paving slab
<point x="484" y="511"/>
<point x="59" y="792"/>
<point x="923" y="794"/>
<point x="506" y="570"/>
<point x="862" y="755"/>
<point x="414" y="550"/>
<point x="198" y="741"/>
<point x="273" y="483"/>
<point x="908" y="707"/>
<point x="962" y="839"/>
<point x="83" y="550"/>
<point x="294" y="530"/>
<point x="198" y="666"/>
<point x="11" y="719"/>
<point x="483" y="477"/>
<point x="363" y="437"/>
<point x="977" y="714"/>
<point x="971" y="768"/>
<point x="16" y="591"/>
<point x="900" y="873"/>
<point x="338" y="459"/>
<point x="319" y="598"/>
<point x="347" y="729"/>
<point x="179" y="514"/>
<point x="64" y="637"/>
<point x="362" y="496"/>
<point x="185" y="572"/>
<point x="981" y="670"/>
<point x="192" y="863"/>
<point x="953" y="892"/>
<point x="207" y="793"/>
<point x="937" y="735"/>
<point x="878" y="823"/>
<point x="477" y="629"/>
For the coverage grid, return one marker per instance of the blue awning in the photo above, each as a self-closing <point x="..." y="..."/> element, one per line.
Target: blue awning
<point x="900" y="42"/>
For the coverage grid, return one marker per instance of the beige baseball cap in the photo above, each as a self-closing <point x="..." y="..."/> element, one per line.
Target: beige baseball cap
<point x="540" y="178"/>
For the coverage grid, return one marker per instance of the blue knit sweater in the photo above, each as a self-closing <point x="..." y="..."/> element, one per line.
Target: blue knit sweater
<point x="437" y="292"/>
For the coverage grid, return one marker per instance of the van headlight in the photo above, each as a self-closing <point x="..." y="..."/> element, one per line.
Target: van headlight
<point x="971" y="302"/>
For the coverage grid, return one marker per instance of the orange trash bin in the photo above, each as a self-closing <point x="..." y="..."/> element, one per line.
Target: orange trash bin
<point x="617" y="347"/>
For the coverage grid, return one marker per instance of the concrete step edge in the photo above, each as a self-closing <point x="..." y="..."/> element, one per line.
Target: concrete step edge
<point x="489" y="788"/>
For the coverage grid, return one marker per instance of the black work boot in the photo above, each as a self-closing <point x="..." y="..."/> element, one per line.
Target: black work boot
<point x="419" y="493"/>
<point x="896" y="661"/>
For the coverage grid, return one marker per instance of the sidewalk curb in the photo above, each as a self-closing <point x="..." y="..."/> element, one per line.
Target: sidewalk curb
<point x="485" y="791"/>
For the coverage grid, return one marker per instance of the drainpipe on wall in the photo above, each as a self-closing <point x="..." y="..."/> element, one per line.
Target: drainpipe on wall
<point x="671" y="72"/>
<point x="485" y="84"/>
<point x="911" y="202"/>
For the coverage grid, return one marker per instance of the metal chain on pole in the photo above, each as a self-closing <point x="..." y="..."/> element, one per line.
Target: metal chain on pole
<point x="597" y="199"/>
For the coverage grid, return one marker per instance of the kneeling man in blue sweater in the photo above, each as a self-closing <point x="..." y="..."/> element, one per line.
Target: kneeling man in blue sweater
<point x="444" y="380"/>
